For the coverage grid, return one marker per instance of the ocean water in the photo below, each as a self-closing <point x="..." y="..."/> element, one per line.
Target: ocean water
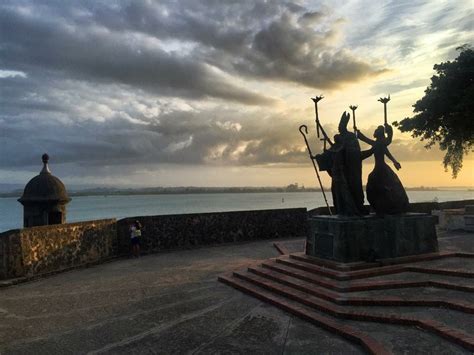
<point x="85" y="208"/>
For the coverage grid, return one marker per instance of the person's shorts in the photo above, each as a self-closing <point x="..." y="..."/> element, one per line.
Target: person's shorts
<point x="135" y="241"/>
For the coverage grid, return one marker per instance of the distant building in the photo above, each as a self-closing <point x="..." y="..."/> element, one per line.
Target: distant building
<point x="44" y="199"/>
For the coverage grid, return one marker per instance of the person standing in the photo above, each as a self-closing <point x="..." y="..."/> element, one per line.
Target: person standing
<point x="135" y="235"/>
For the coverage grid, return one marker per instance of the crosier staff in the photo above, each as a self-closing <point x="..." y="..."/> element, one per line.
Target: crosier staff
<point x="384" y="100"/>
<point x="305" y="128"/>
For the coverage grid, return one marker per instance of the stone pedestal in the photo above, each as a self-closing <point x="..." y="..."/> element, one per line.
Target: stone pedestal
<point x="350" y="239"/>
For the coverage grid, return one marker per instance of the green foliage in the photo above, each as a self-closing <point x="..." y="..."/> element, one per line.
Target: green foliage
<point x="445" y="114"/>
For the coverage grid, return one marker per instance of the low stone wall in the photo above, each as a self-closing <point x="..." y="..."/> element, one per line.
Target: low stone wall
<point x="37" y="250"/>
<point x="169" y="232"/>
<point x="416" y="207"/>
<point x="11" y="259"/>
<point x="427" y="207"/>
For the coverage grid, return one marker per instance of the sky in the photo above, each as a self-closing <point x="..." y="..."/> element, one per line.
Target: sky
<point x="211" y="92"/>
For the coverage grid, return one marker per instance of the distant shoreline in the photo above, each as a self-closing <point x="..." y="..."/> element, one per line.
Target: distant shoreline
<point x="205" y="190"/>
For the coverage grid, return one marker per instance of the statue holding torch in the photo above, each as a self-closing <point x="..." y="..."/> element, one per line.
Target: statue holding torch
<point x="343" y="162"/>
<point x="384" y="100"/>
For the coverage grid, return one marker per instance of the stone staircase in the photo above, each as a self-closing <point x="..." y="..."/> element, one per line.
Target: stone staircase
<point x="343" y="298"/>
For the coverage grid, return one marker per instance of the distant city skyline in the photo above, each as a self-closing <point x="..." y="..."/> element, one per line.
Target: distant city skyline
<point x="211" y="93"/>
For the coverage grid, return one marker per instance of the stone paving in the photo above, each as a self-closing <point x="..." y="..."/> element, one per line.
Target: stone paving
<point x="168" y="303"/>
<point x="172" y="303"/>
<point x="421" y="304"/>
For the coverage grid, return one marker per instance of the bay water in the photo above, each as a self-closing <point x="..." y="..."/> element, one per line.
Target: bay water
<point x="83" y="208"/>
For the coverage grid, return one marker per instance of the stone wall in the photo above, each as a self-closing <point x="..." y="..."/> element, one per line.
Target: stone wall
<point x="427" y="207"/>
<point x="169" y="232"/>
<point x="37" y="250"/>
<point x="11" y="259"/>
<point x="416" y="207"/>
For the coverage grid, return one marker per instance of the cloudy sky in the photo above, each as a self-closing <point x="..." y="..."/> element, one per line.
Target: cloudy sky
<point x="212" y="92"/>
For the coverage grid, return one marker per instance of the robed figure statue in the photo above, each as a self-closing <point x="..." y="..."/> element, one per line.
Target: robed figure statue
<point x="343" y="162"/>
<point x="385" y="191"/>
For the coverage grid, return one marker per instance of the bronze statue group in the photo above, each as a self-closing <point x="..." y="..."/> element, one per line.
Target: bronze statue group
<point x="342" y="160"/>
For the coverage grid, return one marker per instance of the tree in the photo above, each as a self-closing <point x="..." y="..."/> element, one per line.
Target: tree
<point x="445" y="114"/>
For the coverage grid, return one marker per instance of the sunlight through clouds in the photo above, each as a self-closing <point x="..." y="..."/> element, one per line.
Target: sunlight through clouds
<point x="202" y="84"/>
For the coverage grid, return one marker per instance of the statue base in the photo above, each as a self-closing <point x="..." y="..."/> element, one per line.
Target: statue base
<point x="350" y="239"/>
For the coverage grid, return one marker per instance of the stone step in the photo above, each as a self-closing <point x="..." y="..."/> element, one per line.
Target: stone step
<point x="425" y="257"/>
<point x="337" y="266"/>
<point x="385" y="262"/>
<point x="311" y="268"/>
<point x="362" y="285"/>
<point x="458" y="337"/>
<point x="336" y="275"/>
<point x="334" y="326"/>
<point x="295" y="283"/>
<point x="380" y="271"/>
<point x="334" y="297"/>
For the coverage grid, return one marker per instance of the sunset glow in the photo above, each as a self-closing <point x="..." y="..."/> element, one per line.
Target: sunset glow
<point x="211" y="93"/>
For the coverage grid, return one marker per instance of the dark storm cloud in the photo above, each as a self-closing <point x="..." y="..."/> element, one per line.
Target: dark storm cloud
<point x="98" y="41"/>
<point x="127" y="136"/>
<point x="208" y="137"/>
<point x="295" y="47"/>
<point x="30" y="44"/>
<point x="132" y="82"/>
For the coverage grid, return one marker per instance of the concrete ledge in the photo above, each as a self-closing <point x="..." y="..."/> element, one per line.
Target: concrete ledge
<point x="351" y="334"/>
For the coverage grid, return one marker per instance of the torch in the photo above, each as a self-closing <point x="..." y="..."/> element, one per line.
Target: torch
<point x="384" y="100"/>
<point x="353" y="108"/>
<point x="316" y="99"/>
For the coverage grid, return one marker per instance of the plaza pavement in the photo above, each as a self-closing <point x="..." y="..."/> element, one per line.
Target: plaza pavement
<point x="172" y="303"/>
